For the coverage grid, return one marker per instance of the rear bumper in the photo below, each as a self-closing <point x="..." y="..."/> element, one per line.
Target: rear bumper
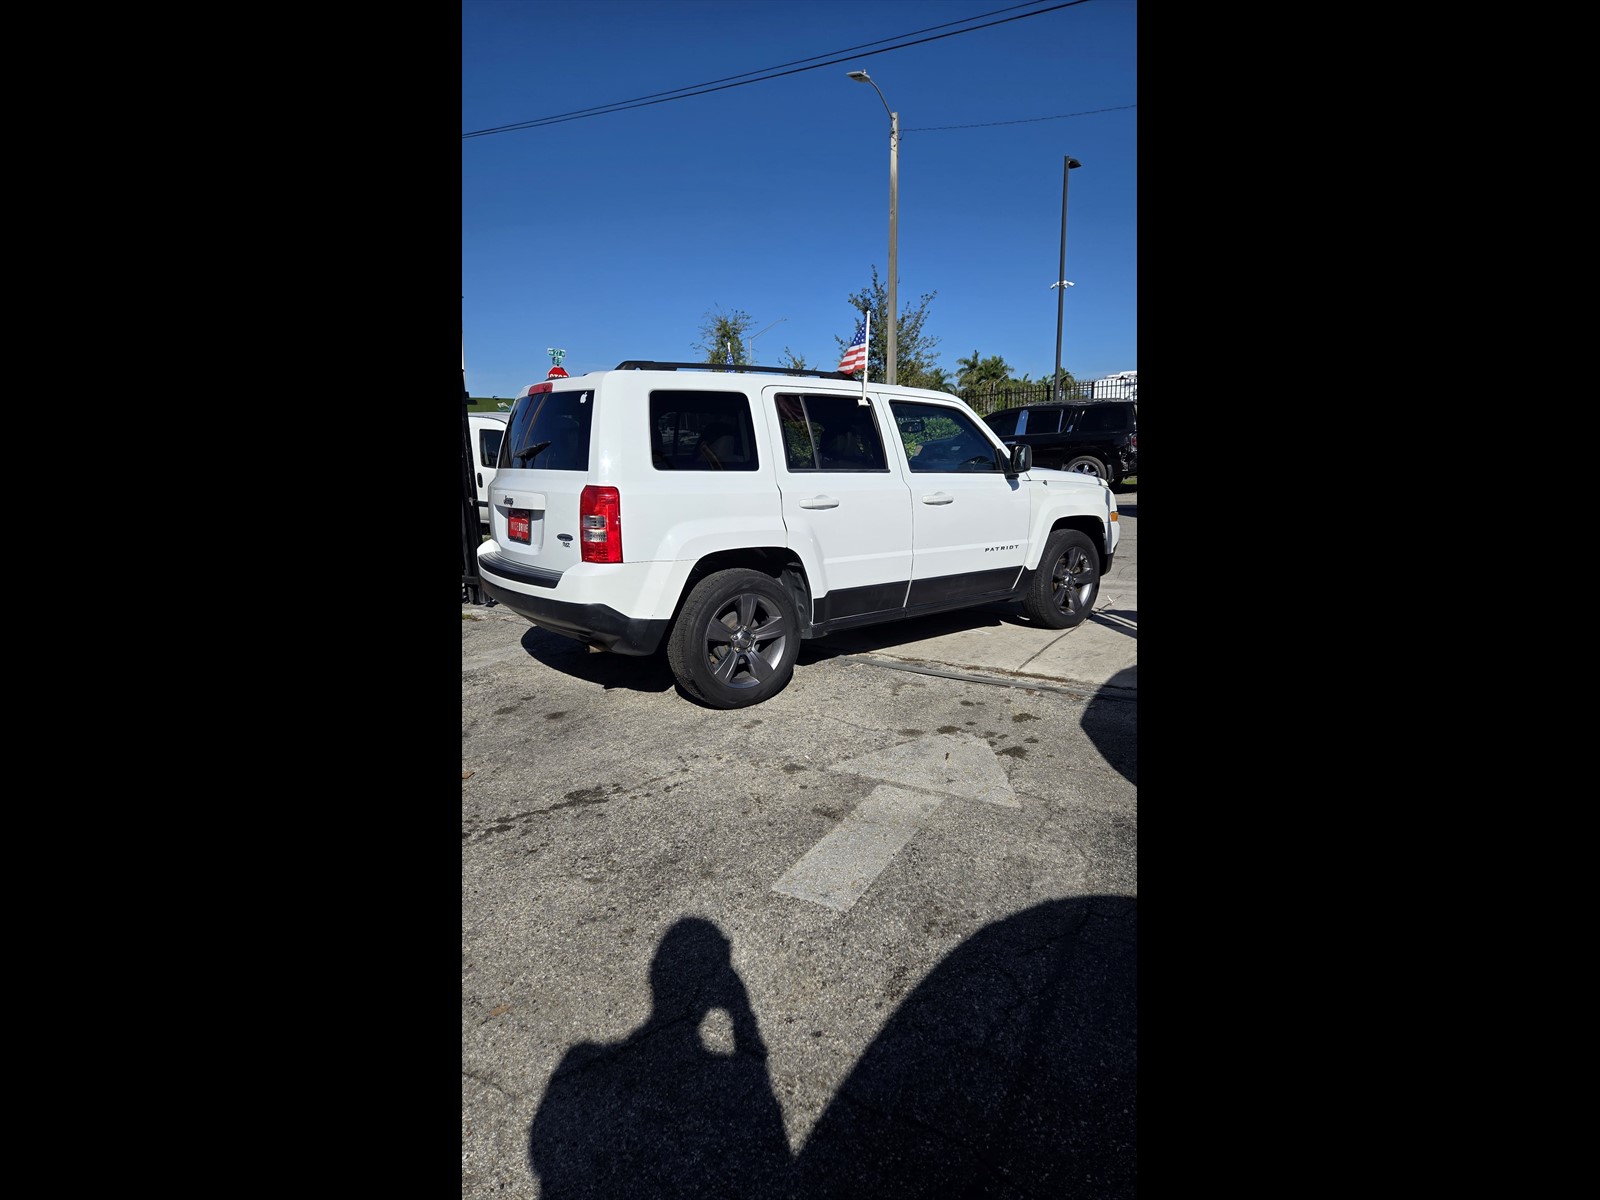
<point x="593" y="624"/>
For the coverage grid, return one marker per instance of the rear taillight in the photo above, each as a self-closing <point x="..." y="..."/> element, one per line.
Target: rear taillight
<point x="1133" y="441"/>
<point x="600" y="524"/>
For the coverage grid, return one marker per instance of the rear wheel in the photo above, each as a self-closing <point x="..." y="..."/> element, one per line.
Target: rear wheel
<point x="1088" y="464"/>
<point x="736" y="640"/>
<point x="1064" y="587"/>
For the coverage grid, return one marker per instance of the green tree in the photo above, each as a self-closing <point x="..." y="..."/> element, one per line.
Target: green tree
<point x="722" y="330"/>
<point x="915" y="348"/>
<point x="795" y="362"/>
<point x="1069" y="385"/>
<point x="977" y="372"/>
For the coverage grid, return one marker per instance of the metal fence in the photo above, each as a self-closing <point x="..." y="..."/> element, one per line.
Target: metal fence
<point x="984" y="401"/>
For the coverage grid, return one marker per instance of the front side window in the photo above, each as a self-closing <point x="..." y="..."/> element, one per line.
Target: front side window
<point x="829" y="433"/>
<point x="549" y="431"/>
<point x="942" y="439"/>
<point x="701" y="431"/>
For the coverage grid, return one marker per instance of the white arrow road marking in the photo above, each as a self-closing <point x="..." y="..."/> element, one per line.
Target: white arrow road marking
<point x="838" y="869"/>
<point x="961" y="765"/>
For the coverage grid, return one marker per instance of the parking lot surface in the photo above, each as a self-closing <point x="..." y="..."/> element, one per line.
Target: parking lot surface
<point x="872" y="937"/>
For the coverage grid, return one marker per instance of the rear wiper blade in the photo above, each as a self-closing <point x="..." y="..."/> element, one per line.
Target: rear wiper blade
<point x="533" y="451"/>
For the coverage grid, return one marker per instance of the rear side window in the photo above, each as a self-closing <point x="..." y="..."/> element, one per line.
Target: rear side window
<point x="1104" y="418"/>
<point x="1044" y="420"/>
<point x="489" y="445"/>
<point x="1005" y="423"/>
<point x="702" y="431"/>
<point x="549" y="431"/>
<point x="829" y="433"/>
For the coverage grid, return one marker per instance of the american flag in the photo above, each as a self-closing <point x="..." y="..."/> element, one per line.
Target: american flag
<point x="855" y="358"/>
<point x="730" y="354"/>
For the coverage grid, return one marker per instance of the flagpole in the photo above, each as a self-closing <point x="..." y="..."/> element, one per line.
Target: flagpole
<point x="866" y="366"/>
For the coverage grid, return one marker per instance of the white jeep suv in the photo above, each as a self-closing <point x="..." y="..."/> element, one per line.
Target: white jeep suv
<point x="730" y="513"/>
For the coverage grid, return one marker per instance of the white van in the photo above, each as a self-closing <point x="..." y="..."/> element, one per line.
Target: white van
<point x="486" y="430"/>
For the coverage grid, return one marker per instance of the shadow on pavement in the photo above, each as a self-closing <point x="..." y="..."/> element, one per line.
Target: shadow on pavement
<point x="1008" y="1072"/>
<point x="1123" y="620"/>
<point x="871" y="638"/>
<point x="1106" y="723"/>
<point x="660" y="1114"/>
<point x="571" y="657"/>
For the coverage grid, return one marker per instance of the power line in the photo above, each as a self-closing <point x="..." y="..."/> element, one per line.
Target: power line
<point x="1022" y="121"/>
<point x="718" y="85"/>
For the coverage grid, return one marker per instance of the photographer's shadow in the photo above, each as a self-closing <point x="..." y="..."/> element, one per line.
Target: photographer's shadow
<point x="661" y="1113"/>
<point x="1008" y="1072"/>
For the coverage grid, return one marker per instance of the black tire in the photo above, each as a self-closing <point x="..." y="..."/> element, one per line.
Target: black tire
<point x="736" y="640"/>
<point x="1088" y="464"/>
<point x="1063" y="589"/>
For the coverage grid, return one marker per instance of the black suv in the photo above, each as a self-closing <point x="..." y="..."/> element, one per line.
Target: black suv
<point x="1093" y="438"/>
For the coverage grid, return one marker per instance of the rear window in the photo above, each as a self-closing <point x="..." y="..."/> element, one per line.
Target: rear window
<point x="702" y="431"/>
<point x="829" y="433"/>
<point x="549" y="431"/>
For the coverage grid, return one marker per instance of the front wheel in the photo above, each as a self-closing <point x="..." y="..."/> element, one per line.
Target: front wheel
<point x="1064" y="587"/>
<point x="1088" y="464"/>
<point x="736" y="640"/>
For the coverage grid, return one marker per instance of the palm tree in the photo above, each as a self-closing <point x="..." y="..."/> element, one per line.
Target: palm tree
<point x="979" y="372"/>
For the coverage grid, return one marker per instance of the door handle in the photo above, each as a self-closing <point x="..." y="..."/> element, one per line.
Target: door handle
<point x="820" y="502"/>
<point x="938" y="498"/>
<point x="480" y="479"/>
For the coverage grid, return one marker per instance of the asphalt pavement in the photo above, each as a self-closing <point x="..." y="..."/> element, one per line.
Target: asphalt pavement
<point x="873" y="937"/>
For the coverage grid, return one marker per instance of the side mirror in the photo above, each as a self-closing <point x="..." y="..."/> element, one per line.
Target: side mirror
<point x="1021" y="460"/>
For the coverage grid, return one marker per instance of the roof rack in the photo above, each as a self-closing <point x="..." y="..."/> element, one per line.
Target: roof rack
<point x="639" y="364"/>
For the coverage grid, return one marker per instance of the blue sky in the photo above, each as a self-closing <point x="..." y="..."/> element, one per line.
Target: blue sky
<point x="614" y="236"/>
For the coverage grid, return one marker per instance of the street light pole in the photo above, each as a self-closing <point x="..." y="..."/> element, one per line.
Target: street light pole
<point x="1055" y="386"/>
<point x="890" y="374"/>
<point x="1067" y="163"/>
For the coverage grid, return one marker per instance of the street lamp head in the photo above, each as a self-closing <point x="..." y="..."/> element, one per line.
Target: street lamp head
<point x="1072" y="162"/>
<point x="860" y="76"/>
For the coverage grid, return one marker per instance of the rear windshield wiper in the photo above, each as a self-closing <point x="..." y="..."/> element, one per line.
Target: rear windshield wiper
<point x="533" y="451"/>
